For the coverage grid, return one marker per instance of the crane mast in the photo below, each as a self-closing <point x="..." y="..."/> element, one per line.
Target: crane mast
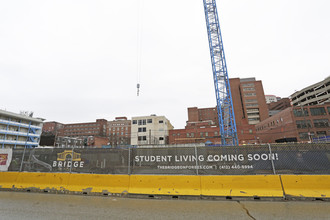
<point x="225" y="107"/>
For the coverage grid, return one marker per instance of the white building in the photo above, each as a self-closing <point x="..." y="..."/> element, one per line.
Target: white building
<point x="271" y="98"/>
<point x="150" y="130"/>
<point x="18" y="130"/>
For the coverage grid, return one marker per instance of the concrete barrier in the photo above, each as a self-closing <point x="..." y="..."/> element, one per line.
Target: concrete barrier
<point x="42" y="181"/>
<point x="98" y="183"/>
<point x="242" y="186"/>
<point x="165" y="185"/>
<point x="8" y="179"/>
<point x="315" y="186"/>
<point x="309" y="186"/>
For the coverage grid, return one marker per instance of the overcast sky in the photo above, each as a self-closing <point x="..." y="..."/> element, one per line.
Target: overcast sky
<point x="76" y="61"/>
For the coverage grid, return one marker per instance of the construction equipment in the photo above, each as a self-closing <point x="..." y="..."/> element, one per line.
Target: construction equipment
<point x="225" y="107"/>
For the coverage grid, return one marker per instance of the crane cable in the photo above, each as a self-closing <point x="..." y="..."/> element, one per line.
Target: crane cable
<point x="139" y="43"/>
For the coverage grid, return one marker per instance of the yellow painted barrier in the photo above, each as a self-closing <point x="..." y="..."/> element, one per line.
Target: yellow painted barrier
<point x="99" y="183"/>
<point x="165" y="185"/>
<point x="8" y="179"/>
<point x="316" y="186"/>
<point x="242" y="186"/>
<point x="54" y="181"/>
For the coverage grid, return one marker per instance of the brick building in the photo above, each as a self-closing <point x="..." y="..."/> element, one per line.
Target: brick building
<point x="52" y="127"/>
<point x="86" y="129"/>
<point x="295" y="124"/>
<point x="276" y="107"/>
<point x="202" y="114"/>
<point x="249" y="107"/>
<point x="279" y="105"/>
<point x="119" y="131"/>
<point x="201" y="132"/>
<point x="202" y="126"/>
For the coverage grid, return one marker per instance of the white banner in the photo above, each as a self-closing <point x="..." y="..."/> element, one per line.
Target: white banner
<point x="5" y="158"/>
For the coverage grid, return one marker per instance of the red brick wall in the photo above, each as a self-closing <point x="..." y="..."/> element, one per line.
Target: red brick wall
<point x="281" y="125"/>
<point x="179" y="136"/>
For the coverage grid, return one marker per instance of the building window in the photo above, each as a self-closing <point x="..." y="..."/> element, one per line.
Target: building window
<point x="134" y="122"/>
<point x="149" y="120"/>
<point x="328" y="110"/>
<point x="318" y="111"/>
<point x="161" y="122"/>
<point x="321" y="133"/>
<point x="321" y="123"/>
<point x="143" y="129"/>
<point x="305" y="136"/>
<point x="248" y="89"/>
<point x="161" y="138"/>
<point x="250" y="100"/>
<point x="300" y="113"/>
<point x="253" y="119"/>
<point x="248" y="85"/>
<point x="249" y="94"/>
<point x="251" y="105"/>
<point x="142" y="122"/>
<point x="142" y="138"/>
<point x="252" y="110"/>
<point x="301" y="124"/>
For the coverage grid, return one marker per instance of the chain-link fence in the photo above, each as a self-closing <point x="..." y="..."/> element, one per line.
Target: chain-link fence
<point x="192" y="160"/>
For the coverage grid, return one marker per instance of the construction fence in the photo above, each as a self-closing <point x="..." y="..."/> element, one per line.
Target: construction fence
<point x="188" y="160"/>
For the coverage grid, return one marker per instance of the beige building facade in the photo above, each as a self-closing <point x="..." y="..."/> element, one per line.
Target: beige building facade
<point x="150" y="130"/>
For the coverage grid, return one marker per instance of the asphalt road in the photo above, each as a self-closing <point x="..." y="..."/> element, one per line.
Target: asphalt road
<point x="17" y="205"/>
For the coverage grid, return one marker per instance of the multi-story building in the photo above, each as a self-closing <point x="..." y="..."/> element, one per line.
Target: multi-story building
<point x="19" y="130"/>
<point x="298" y="123"/>
<point x="150" y="130"/>
<point x="249" y="107"/>
<point x="316" y="94"/>
<point x="87" y="129"/>
<point x="52" y="127"/>
<point x="75" y="135"/>
<point x="202" y="114"/>
<point x="49" y="134"/>
<point x="202" y="127"/>
<point x="197" y="132"/>
<point x="119" y="131"/>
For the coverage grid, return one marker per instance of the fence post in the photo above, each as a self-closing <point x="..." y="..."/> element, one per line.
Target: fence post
<point x="271" y="158"/>
<point x="20" y="169"/>
<point x="196" y="160"/>
<point x="71" y="160"/>
<point x="129" y="161"/>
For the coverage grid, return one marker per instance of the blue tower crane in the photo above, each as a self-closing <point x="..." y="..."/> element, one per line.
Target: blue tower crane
<point x="225" y="107"/>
